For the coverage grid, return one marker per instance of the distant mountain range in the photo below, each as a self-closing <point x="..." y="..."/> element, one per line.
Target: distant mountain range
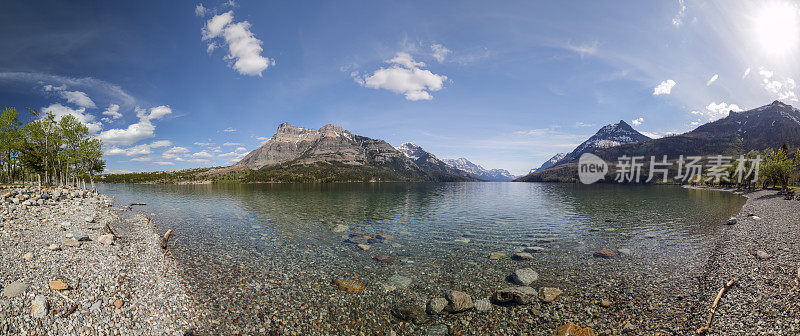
<point x="768" y="126"/>
<point x="477" y="171"/>
<point x="549" y="163"/>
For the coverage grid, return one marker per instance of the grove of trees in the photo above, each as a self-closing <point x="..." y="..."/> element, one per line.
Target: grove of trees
<point x="47" y="151"/>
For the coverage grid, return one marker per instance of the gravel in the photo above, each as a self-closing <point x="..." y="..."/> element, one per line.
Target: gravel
<point x="134" y="271"/>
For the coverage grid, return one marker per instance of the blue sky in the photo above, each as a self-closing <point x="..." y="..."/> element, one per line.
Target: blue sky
<point x="170" y="85"/>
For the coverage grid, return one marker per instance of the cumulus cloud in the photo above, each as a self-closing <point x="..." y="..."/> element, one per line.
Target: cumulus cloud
<point x="200" y="10"/>
<point x="113" y="111"/>
<point x="141" y="130"/>
<point x="746" y="73"/>
<point x="203" y="143"/>
<point x="235" y="156"/>
<point x="712" y="80"/>
<point x="77" y="98"/>
<point x="244" y="49"/>
<point x="202" y="155"/>
<point x="781" y="89"/>
<point x="161" y="143"/>
<point x="164" y="163"/>
<point x="59" y="111"/>
<point x="139" y="150"/>
<point x="440" y="52"/>
<point x="404" y="76"/>
<point x="714" y="111"/>
<point x="261" y="138"/>
<point x="142" y="158"/>
<point x="637" y="122"/>
<point x="175" y="153"/>
<point x="96" y="87"/>
<point x="233" y="144"/>
<point x="229" y="130"/>
<point x="664" y="88"/>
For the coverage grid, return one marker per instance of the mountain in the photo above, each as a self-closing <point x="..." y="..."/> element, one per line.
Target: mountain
<point x="768" y="126"/>
<point x="332" y="153"/>
<point x="426" y="160"/>
<point x="498" y="175"/>
<point x="608" y="136"/>
<point x="549" y="163"/>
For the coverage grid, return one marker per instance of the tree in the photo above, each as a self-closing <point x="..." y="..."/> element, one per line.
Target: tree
<point x="10" y="141"/>
<point x="778" y="166"/>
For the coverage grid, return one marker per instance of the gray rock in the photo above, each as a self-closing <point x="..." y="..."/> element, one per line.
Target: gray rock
<point x="89" y="219"/>
<point x="458" y="302"/>
<point x="14" y="289"/>
<point x="80" y="235"/>
<point x="483" y="305"/>
<point x="549" y="294"/>
<point x="39" y="306"/>
<point x="340" y="228"/>
<point x="462" y="240"/>
<point x="515" y="294"/>
<point x="524" y="276"/>
<point x="534" y="249"/>
<point x="53" y="247"/>
<point x="625" y="251"/>
<point x="436" y="306"/>
<point x="438" y="330"/>
<point x="410" y="313"/>
<point x="106" y="239"/>
<point x="66" y="223"/>
<point x="731" y="221"/>
<point x="399" y="281"/>
<point x="96" y="306"/>
<point x="760" y="254"/>
<point x="497" y="255"/>
<point x="523" y="256"/>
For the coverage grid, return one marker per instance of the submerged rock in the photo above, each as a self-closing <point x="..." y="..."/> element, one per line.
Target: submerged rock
<point x="534" y="249"/>
<point x="349" y="285"/>
<point x="436" y="306"/>
<point x="523" y="256"/>
<point x="483" y="305"/>
<point x="438" y="330"/>
<point x="625" y="251"/>
<point x="462" y="240"/>
<point x="524" y="276"/>
<point x="497" y="255"/>
<point x="605" y="254"/>
<point x="458" y="302"/>
<point x="549" y="294"/>
<point x="383" y="259"/>
<point x="399" y="281"/>
<point x="515" y="294"/>
<point x="410" y="313"/>
<point x="570" y="329"/>
<point x="340" y="228"/>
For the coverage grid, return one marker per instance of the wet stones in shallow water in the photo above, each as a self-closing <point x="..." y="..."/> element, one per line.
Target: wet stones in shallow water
<point x="14" y="289"/>
<point x="340" y="228"/>
<point x="523" y="256"/>
<point x="39" y="306"/>
<point x="383" y="259"/>
<point x="760" y="254"/>
<point x="410" y="313"/>
<point x="497" y="255"/>
<point x="364" y="247"/>
<point x="349" y="285"/>
<point x="625" y="251"/>
<point x="605" y="254"/>
<point x="524" y="276"/>
<point x="483" y="305"/>
<point x="458" y="302"/>
<point x="515" y="294"/>
<point x="549" y="294"/>
<point x="570" y="329"/>
<point x="436" y="306"/>
<point x="605" y="303"/>
<point x="462" y="240"/>
<point x="399" y="281"/>
<point x="731" y="221"/>
<point x="438" y="330"/>
<point x="534" y="249"/>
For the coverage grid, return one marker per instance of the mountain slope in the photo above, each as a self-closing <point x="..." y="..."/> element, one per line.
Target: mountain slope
<point x="426" y="160"/>
<point x="608" y="136"/>
<point x="549" y="163"/>
<point x="477" y="171"/>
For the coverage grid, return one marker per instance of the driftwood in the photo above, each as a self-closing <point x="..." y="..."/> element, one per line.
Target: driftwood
<point x="714" y="307"/>
<point x="132" y="204"/>
<point x="165" y="240"/>
<point x="111" y="230"/>
<point x="71" y="310"/>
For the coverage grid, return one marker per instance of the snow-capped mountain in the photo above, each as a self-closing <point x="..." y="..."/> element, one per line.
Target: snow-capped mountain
<point x="549" y="163"/>
<point x="609" y="136"/>
<point x="500" y="175"/>
<point x="425" y="159"/>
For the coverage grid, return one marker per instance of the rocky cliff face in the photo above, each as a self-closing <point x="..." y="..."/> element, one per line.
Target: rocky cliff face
<point x="425" y="159"/>
<point x="608" y="136"/>
<point x="498" y="175"/>
<point x="330" y="143"/>
<point x="549" y="163"/>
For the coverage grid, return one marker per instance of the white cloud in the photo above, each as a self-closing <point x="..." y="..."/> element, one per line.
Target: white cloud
<point x="678" y="19"/>
<point x="716" y="111"/>
<point x="203" y="143"/>
<point x="637" y="122"/>
<point x="141" y="130"/>
<point x="232" y="144"/>
<point x="200" y="10"/>
<point x="712" y="80"/>
<point x="583" y="124"/>
<point x="746" y="73"/>
<point x="142" y="158"/>
<point x="164" y="163"/>
<point x="202" y="155"/>
<point x="244" y="49"/>
<point x="96" y="87"/>
<point x="261" y="138"/>
<point x="78" y="98"/>
<point x="59" y="111"/>
<point x="664" y="88"/>
<point x="49" y="87"/>
<point x="229" y="130"/>
<point x="404" y="76"/>
<point x="651" y="135"/>
<point x="440" y="52"/>
<point x="113" y="111"/>
<point x="161" y="143"/>
<point x="175" y="153"/>
<point x="585" y="49"/>
<point x="780" y="89"/>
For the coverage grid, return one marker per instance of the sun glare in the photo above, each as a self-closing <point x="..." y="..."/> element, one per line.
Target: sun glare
<point x="776" y="28"/>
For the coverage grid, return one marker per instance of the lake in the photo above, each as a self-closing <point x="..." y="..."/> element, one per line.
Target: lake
<point x="260" y="258"/>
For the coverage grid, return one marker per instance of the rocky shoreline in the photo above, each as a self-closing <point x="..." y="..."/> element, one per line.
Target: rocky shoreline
<point x="64" y="273"/>
<point x="759" y="250"/>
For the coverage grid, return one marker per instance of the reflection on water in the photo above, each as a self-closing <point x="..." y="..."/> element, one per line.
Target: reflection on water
<point x="234" y="233"/>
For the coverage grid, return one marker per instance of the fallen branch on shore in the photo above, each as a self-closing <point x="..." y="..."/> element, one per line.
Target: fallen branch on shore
<point x="714" y="306"/>
<point x="165" y="240"/>
<point x="111" y="230"/>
